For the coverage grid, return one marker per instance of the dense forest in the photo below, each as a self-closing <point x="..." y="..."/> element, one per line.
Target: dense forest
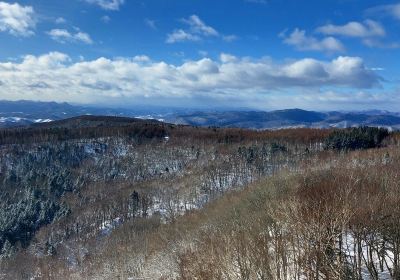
<point x="117" y="198"/>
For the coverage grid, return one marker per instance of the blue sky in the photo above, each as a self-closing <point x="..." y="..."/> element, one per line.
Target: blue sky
<point x="262" y="54"/>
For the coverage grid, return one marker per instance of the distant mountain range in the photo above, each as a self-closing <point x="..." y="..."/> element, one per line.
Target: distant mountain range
<point x="289" y="118"/>
<point x="23" y="113"/>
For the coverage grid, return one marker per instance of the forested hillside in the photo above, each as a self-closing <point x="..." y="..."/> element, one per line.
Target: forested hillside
<point x="118" y="198"/>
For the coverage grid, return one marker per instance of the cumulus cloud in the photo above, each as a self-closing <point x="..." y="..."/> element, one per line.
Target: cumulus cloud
<point x="368" y="28"/>
<point x="303" y="42"/>
<point x="124" y="79"/>
<point x="63" y="36"/>
<point x="16" y="19"/>
<point x="113" y="5"/>
<point x="371" y="33"/>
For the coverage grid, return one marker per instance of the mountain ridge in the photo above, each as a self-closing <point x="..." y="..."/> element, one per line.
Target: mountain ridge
<point x="25" y="113"/>
<point x="287" y="118"/>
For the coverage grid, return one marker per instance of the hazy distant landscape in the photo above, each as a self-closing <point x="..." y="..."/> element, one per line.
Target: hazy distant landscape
<point x="21" y="113"/>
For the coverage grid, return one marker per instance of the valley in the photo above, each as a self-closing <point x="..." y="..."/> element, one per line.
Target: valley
<point x="110" y="197"/>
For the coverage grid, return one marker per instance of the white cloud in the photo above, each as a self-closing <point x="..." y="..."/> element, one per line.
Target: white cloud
<point x="368" y="28"/>
<point x="197" y="30"/>
<point x="374" y="43"/>
<point x="127" y="79"/>
<point x="377" y="69"/>
<point x="370" y="32"/>
<point x="151" y="23"/>
<point x="202" y="53"/>
<point x="392" y="10"/>
<point x="141" y="58"/>
<point x="198" y="26"/>
<point x="60" y="20"/>
<point x="105" y="19"/>
<point x="107" y="4"/>
<point x="63" y="36"/>
<point x="181" y="36"/>
<point x="230" y="38"/>
<point x="299" y="39"/>
<point x="82" y="37"/>
<point x="257" y="1"/>
<point x="227" y="58"/>
<point x="16" y="19"/>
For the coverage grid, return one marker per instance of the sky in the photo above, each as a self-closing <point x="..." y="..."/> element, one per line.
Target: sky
<point x="255" y="54"/>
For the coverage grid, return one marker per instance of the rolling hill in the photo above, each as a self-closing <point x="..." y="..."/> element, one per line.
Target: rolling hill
<point x="24" y="113"/>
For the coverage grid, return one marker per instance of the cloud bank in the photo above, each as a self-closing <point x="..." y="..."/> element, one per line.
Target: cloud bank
<point x="54" y="76"/>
